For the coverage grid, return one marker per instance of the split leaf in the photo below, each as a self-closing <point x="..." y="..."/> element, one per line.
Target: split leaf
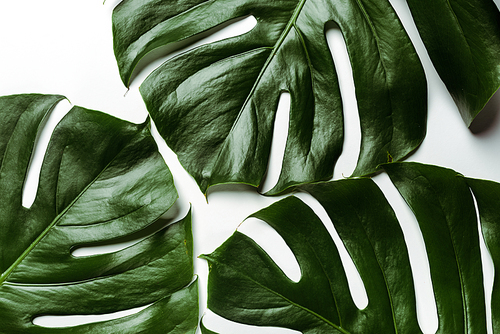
<point x="216" y="105"/>
<point x="101" y="179"/>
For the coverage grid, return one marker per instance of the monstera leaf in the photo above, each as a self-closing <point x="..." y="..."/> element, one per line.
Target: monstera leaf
<point x="245" y="285"/>
<point x="216" y="105"/>
<point x="102" y="178"/>
<point x="462" y="38"/>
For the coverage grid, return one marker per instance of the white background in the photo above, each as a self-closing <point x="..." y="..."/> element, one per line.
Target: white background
<point x="65" y="47"/>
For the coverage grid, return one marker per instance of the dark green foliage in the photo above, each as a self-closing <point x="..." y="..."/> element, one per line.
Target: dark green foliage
<point x="101" y="179"/>
<point x="215" y="105"/>
<point x="462" y="38"/>
<point x="257" y="292"/>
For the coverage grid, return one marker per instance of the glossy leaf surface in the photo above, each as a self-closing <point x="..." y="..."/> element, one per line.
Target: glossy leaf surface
<point x="444" y="208"/>
<point x="487" y="195"/>
<point x="257" y="292"/>
<point x="462" y="38"/>
<point x="101" y="179"/>
<point x="216" y="105"/>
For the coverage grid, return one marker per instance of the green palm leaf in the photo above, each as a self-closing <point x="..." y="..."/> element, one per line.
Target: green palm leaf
<point x="101" y="179"/>
<point x="215" y="105"/>
<point x="245" y="285"/>
<point x="462" y="38"/>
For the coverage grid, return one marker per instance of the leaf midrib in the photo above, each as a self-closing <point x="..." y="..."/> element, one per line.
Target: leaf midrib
<point x="98" y="278"/>
<point x="284" y="34"/>
<point x="21" y="257"/>
<point x="292" y="24"/>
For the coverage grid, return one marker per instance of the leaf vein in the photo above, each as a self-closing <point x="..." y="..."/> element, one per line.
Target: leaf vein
<point x="288" y="300"/>
<point x="9" y="270"/>
<point x="274" y="49"/>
